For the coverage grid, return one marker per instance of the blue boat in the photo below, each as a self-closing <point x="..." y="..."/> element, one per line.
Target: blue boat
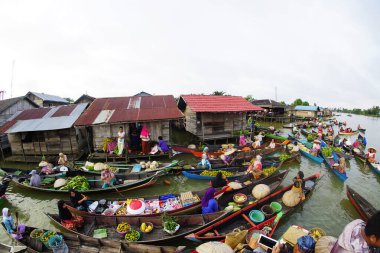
<point x="329" y="162"/>
<point x="311" y="157"/>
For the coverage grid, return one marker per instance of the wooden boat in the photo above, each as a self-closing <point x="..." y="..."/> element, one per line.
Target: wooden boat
<point x="195" y="207"/>
<point x="311" y="157"/>
<point x="3" y="188"/>
<point x="188" y="224"/>
<point x="277" y="137"/>
<point x="349" y="133"/>
<point x="241" y="220"/>
<point x="196" y="174"/>
<point x="195" y="152"/>
<point x="132" y="168"/>
<point x="329" y="162"/>
<point x="364" y="208"/>
<point x="127" y="182"/>
<point x="357" y="153"/>
<point x="12" y="248"/>
<point x="19" y="172"/>
<point x="374" y="166"/>
<point x="87" y="244"/>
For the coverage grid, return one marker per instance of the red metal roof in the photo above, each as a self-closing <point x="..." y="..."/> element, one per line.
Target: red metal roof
<point x="130" y="109"/>
<point x="64" y="111"/>
<point x="206" y="103"/>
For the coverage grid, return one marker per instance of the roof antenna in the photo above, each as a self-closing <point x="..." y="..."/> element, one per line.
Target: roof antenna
<point x="13" y="67"/>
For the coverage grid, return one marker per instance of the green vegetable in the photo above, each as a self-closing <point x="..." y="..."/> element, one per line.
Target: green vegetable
<point x="48" y="181"/>
<point x="284" y="157"/>
<point x="78" y="183"/>
<point x="327" y="152"/>
<point x="213" y="173"/>
<point x="169" y="222"/>
<point x="310" y="137"/>
<point x="132" y="235"/>
<point x="337" y="149"/>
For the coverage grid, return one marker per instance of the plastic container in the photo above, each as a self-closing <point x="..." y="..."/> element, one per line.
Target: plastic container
<point x="267" y="210"/>
<point x="241" y="195"/>
<point x="277" y="207"/>
<point x="256" y="216"/>
<point x="138" y="236"/>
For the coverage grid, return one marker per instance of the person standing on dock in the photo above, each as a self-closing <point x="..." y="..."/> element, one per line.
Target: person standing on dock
<point x="120" y="141"/>
<point x="145" y="140"/>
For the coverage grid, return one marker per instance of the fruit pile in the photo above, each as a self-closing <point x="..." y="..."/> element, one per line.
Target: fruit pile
<point x="123" y="227"/>
<point x="269" y="171"/>
<point x="337" y="149"/>
<point x="213" y="173"/>
<point x="303" y="148"/>
<point x="132" y="235"/>
<point x="121" y="211"/>
<point x="327" y="152"/>
<point x="232" y="206"/>
<point x="146" y="228"/>
<point x="284" y="157"/>
<point x="46" y="236"/>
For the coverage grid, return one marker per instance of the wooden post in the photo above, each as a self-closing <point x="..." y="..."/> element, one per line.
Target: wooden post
<point x="71" y="145"/>
<point x="23" y="151"/>
<point x="39" y="144"/>
<point x="203" y="127"/>
<point x="2" y="152"/>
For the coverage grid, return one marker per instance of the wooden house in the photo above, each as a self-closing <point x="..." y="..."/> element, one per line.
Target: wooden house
<point x="84" y="99"/>
<point x="104" y="116"/>
<point x="273" y="108"/>
<point x="45" y="131"/>
<point x="215" y="117"/>
<point x="46" y="100"/>
<point x="303" y="111"/>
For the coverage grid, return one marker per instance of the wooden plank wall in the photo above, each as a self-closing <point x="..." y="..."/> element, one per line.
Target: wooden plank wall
<point x="19" y="106"/>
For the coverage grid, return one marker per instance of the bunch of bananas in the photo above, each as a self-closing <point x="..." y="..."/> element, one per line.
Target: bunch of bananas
<point x="213" y="173"/>
<point x="146" y="228"/>
<point x="123" y="227"/>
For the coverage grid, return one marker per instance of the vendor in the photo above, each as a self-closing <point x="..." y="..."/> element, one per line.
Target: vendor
<point x="316" y="147"/>
<point x="256" y="168"/>
<point x="209" y="203"/>
<point x="120" y="141"/>
<point x="371" y="155"/>
<point x="35" y="179"/>
<point x="163" y="146"/>
<point x="295" y="148"/>
<point x="242" y="140"/>
<point x="205" y="163"/>
<point x="305" y="244"/>
<point x="78" y="200"/>
<point x="219" y="181"/>
<point x="341" y="166"/>
<point x="145" y="140"/>
<point x="272" y="144"/>
<point x="68" y="220"/>
<point x="227" y="156"/>
<point x="299" y="184"/>
<point x="109" y="177"/>
<point x="257" y="143"/>
<point x="14" y="229"/>
<point x="62" y="160"/>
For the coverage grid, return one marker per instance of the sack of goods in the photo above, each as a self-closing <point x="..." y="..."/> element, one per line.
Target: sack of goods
<point x="60" y="182"/>
<point x="214" y="247"/>
<point x="100" y="166"/>
<point x="291" y="198"/>
<point x="260" y="191"/>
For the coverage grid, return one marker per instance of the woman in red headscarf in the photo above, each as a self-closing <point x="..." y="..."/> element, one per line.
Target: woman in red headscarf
<point x="145" y="140"/>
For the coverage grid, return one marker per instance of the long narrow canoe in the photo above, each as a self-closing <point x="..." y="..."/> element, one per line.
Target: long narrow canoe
<point x="375" y="167"/>
<point x="311" y="157"/>
<point x="329" y="162"/>
<point x="350" y="133"/>
<point x="133" y="168"/>
<point x="12" y="249"/>
<point x="364" y="208"/>
<point x="195" y="152"/>
<point x="125" y="182"/>
<point x="188" y="224"/>
<point x="86" y="244"/>
<point x="195" y="207"/>
<point x="241" y="220"/>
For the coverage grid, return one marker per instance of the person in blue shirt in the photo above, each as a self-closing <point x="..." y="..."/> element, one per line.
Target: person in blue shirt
<point x="209" y="203"/>
<point x="14" y="230"/>
<point x="163" y="146"/>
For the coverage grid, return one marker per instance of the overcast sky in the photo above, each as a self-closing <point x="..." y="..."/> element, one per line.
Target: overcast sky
<point x="326" y="52"/>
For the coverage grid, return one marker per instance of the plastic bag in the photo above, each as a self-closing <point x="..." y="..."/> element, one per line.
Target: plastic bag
<point x="235" y="237"/>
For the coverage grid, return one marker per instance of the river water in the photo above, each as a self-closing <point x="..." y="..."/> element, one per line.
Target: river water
<point x="328" y="207"/>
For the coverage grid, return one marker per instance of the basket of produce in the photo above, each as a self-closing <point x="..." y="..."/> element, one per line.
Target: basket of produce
<point x="132" y="235"/>
<point x="36" y="233"/>
<point x="123" y="228"/>
<point x="240" y="198"/>
<point x="146" y="227"/>
<point x="267" y="210"/>
<point x="277" y="207"/>
<point x="46" y="236"/>
<point x="256" y="216"/>
<point x="121" y="211"/>
<point x="317" y="233"/>
<point x="170" y="224"/>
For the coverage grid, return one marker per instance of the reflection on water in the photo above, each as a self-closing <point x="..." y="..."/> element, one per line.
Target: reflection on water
<point x="328" y="207"/>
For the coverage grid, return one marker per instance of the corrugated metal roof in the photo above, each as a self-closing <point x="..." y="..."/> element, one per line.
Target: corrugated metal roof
<point x="205" y="103"/>
<point x="267" y="102"/>
<point x="306" y="108"/>
<point x="129" y="109"/>
<point x="51" y="98"/>
<point x="6" y="103"/>
<point x="43" y="119"/>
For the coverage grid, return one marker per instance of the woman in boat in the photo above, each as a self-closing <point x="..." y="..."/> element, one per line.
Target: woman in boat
<point x="219" y="181"/>
<point x="272" y="144"/>
<point x="316" y="148"/>
<point x="120" y="141"/>
<point x="242" y="140"/>
<point x="371" y="155"/>
<point x="68" y="220"/>
<point x="35" y="179"/>
<point x="209" y="203"/>
<point x="356" y="144"/>
<point x="256" y="168"/>
<point x="108" y="176"/>
<point x="145" y="139"/>
<point x="62" y="160"/>
<point x="10" y="226"/>
<point x="163" y="146"/>
<point x="358" y="236"/>
<point x="305" y="244"/>
<point x="155" y="148"/>
<point x="204" y="163"/>
<point x="257" y="143"/>
<point x="295" y="148"/>
<point x="299" y="184"/>
<point x="78" y="200"/>
<point x="341" y="166"/>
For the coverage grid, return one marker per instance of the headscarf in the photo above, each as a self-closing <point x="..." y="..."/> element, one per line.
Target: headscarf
<point x="205" y="149"/>
<point x="5" y="215"/>
<point x="218" y="181"/>
<point x="144" y="131"/>
<point x="64" y="213"/>
<point x="35" y="179"/>
<point x="306" y="244"/>
<point x="74" y="200"/>
<point x="242" y="140"/>
<point x="208" y="195"/>
<point x="258" y="158"/>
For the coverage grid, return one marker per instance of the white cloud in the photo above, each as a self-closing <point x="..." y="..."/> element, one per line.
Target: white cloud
<point x="322" y="51"/>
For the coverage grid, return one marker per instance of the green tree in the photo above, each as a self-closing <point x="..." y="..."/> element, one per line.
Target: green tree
<point x="283" y="103"/>
<point x="249" y="98"/>
<point x="298" y="101"/>
<point x="305" y="103"/>
<point x="219" y="93"/>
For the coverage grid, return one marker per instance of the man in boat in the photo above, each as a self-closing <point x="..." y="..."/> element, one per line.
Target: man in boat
<point x="68" y="220"/>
